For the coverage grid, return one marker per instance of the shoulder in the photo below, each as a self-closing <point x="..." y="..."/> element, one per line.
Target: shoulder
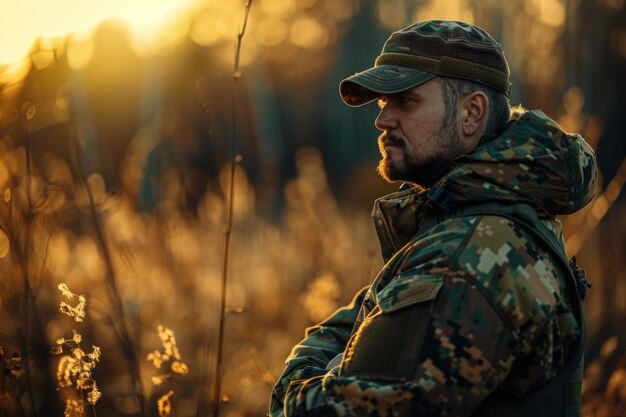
<point x="438" y="245"/>
<point x="498" y="256"/>
<point x="513" y="270"/>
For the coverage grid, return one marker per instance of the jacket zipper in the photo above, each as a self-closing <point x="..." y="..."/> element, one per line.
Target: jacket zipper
<point x="387" y="229"/>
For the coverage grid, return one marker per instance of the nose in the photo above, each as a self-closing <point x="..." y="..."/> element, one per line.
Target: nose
<point x="386" y="119"/>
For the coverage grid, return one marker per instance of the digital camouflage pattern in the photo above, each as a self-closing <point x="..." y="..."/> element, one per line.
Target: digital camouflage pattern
<point x="461" y="308"/>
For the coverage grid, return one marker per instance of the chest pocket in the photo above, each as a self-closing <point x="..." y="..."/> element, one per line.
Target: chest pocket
<point x="387" y="343"/>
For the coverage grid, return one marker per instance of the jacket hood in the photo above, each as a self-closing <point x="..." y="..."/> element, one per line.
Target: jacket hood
<point x="532" y="161"/>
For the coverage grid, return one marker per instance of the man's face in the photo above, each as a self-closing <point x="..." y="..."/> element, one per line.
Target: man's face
<point x="419" y="139"/>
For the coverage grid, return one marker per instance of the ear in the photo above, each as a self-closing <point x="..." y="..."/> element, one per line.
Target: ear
<point x="475" y="107"/>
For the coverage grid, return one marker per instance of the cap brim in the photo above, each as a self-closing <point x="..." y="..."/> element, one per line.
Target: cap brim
<point x="366" y="86"/>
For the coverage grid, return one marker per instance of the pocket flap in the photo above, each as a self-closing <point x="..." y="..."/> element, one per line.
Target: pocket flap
<point x="408" y="290"/>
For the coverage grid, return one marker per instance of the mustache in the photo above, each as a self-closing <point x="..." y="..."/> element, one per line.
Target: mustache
<point x="390" y="139"/>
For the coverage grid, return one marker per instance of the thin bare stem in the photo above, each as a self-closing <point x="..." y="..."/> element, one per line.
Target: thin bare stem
<point x="237" y="72"/>
<point x="235" y="159"/>
<point x="121" y="329"/>
<point x="205" y="358"/>
<point x="19" y="403"/>
<point x="26" y="277"/>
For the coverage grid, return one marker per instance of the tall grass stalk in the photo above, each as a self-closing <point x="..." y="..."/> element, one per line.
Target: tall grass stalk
<point x="235" y="159"/>
<point x="119" y="324"/>
<point x="204" y="403"/>
<point x="26" y="274"/>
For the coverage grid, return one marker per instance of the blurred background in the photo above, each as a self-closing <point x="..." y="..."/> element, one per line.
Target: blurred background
<point x="115" y="127"/>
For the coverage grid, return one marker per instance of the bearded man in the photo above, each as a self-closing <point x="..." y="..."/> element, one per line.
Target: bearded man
<point x="477" y="311"/>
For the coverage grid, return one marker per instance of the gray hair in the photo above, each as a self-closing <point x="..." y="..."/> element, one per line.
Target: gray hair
<point x="455" y="89"/>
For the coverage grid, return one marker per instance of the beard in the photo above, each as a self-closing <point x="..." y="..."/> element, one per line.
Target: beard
<point x="424" y="166"/>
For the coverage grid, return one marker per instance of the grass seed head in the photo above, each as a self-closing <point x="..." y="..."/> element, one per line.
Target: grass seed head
<point x="169" y="342"/>
<point x="165" y="404"/>
<point x="156" y="358"/>
<point x="73" y="408"/>
<point x="66" y="291"/>
<point x="179" y="368"/>
<point x="11" y="365"/>
<point x="77" y="312"/>
<point x="74" y="369"/>
<point x="158" y="380"/>
<point x="76" y="338"/>
<point x="94" y="395"/>
<point x="66" y="370"/>
<point x="95" y="355"/>
<point x="171" y="356"/>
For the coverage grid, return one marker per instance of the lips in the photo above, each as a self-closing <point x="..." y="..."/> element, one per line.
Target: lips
<point x="388" y="140"/>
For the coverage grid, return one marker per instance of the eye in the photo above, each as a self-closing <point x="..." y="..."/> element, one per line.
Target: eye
<point x="402" y="99"/>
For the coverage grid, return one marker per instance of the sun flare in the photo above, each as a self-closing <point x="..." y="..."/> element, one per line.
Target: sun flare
<point x="23" y="22"/>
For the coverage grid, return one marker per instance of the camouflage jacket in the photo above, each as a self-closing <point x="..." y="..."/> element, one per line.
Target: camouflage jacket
<point x="462" y="306"/>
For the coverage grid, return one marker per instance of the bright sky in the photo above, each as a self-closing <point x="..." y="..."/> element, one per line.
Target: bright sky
<point x="22" y="21"/>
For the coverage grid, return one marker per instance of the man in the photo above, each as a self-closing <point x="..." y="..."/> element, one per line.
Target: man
<point x="476" y="312"/>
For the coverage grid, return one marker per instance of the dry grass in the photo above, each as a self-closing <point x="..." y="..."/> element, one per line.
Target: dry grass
<point x="168" y="266"/>
<point x="284" y="276"/>
<point x="75" y="367"/>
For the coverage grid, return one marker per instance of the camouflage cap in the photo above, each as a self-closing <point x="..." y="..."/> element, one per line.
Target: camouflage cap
<point x="424" y="50"/>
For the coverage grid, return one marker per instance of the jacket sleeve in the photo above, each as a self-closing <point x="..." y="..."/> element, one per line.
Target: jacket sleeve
<point x="321" y="344"/>
<point x="438" y="342"/>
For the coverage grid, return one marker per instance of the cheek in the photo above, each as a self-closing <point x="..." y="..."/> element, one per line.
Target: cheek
<point x="420" y="131"/>
<point x="426" y="120"/>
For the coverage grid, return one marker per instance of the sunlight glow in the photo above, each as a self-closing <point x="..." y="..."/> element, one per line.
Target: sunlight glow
<point x="24" y="21"/>
<point x="271" y="31"/>
<point x="211" y="26"/>
<point x="550" y="12"/>
<point x="451" y="9"/>
<point x="79" y="51"/>
<point x="12" y="74"/>
<point x="392" y="13"/>
<point x="278" y="8"/>
<point x="341" y="10"/>
<point x="307" y="32"/>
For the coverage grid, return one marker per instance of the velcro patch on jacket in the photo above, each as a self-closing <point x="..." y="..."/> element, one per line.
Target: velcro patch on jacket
<point x="387" y="343"/>
<point x="408" y="290"/>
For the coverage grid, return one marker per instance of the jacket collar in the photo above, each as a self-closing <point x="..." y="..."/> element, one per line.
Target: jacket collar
<point x="396" y="219"/>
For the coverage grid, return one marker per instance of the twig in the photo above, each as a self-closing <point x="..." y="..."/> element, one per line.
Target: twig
<point x="122" y="332"/>
<point x="235" y="159"/>
<point x="19" y="403"/>
<point x="203" y="387"/>
<point x="26" y="272"/>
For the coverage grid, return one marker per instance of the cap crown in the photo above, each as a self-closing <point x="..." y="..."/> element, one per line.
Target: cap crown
<point x="449" y="48"/>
